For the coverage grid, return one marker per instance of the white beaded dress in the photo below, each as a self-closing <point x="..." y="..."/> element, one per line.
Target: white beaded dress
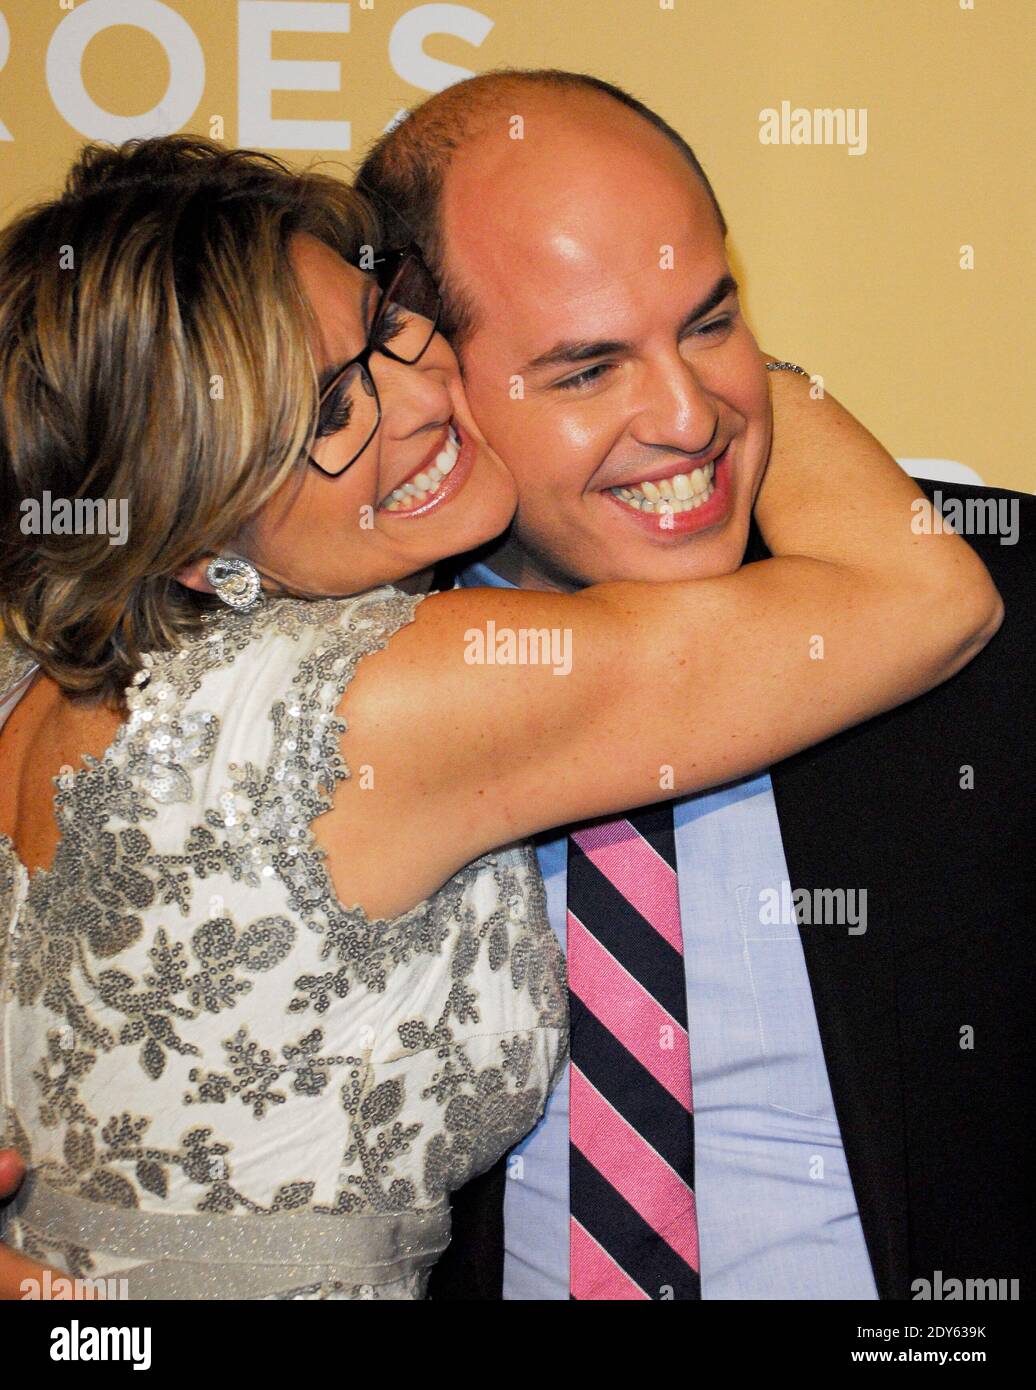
<point x="227" y="1084"/>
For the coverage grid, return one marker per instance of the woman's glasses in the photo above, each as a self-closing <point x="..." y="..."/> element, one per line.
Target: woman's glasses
<point x="404" y="323"/>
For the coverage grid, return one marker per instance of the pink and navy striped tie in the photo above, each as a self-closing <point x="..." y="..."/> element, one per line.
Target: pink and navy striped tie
<point x="633" y="1231"/>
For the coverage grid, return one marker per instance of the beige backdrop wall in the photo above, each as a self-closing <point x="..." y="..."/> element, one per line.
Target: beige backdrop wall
<point x="898" y="266"/>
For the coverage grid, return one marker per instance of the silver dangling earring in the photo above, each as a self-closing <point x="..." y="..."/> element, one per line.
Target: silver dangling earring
<point x="235" y="581"/>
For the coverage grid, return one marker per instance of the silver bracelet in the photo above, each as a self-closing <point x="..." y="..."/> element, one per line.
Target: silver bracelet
<point x="786" y="367"/>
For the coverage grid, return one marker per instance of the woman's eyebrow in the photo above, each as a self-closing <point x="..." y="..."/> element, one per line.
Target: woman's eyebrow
<point x="328" y="375"/>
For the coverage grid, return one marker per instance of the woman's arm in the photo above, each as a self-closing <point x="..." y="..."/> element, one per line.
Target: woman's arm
<point x="674" y="687"/>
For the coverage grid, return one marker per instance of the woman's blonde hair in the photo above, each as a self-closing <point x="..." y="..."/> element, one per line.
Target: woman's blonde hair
<point x="153" y="351"/>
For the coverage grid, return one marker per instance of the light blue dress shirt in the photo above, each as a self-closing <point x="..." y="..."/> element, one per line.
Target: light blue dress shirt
<point x="777" y="1217"/>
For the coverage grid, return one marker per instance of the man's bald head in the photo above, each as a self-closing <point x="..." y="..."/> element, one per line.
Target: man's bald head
<point x="406" y="171"/>
<point x="582" y="262"/>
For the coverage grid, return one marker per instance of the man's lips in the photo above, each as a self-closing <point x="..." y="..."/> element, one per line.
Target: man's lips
<point x="664" y="524"/>
<point x="666" y="470"/>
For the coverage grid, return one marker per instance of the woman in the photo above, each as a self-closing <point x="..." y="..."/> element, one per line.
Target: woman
<point x="271" y="991"/>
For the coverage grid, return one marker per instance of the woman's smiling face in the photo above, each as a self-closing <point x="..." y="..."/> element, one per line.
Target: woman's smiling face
<point x="385" y="518"/>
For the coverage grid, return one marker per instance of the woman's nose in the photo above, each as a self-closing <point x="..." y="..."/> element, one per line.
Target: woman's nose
<point x="413" y="397"/>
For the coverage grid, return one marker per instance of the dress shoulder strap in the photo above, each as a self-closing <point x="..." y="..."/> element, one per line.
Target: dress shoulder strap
<point x="246" y="722"/>
<point x="332" y="638"/>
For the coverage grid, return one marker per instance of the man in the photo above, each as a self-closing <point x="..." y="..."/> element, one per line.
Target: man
<point x="840" y="940"/>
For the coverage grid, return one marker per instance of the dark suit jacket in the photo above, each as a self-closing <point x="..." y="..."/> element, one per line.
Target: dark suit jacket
<point x="940" y="1139"/>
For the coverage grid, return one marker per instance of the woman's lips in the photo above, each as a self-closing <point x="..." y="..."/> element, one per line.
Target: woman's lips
<point x="450" y="485"/>
<point x="427" y="462"/>
<point x="679" y="524"/>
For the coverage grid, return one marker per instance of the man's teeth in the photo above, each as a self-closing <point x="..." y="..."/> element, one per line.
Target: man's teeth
<point x="417" y="490"/>
<point x="683" y="492"/>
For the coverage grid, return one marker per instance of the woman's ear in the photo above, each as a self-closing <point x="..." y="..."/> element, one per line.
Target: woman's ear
<point x="194" y="577"/>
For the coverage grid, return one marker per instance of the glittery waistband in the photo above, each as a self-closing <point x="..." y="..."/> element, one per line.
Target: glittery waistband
<point x="198" y="1255"/>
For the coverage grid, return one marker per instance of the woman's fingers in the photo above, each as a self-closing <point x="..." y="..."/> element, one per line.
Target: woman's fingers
<point x="12" y="1171"/>
<point x="20" y="1277"/>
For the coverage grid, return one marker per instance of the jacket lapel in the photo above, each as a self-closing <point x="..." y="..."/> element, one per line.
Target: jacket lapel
<point x="821" y="805"/>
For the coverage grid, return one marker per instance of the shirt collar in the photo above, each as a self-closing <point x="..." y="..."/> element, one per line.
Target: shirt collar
<point x="480" y="576"/>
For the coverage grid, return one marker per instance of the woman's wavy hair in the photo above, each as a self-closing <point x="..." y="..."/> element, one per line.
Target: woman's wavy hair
<point x="153" y="350"/>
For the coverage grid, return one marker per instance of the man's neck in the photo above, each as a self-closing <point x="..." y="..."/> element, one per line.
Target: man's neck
<point x="525" y="571"/>
<point x="418" y="583"/>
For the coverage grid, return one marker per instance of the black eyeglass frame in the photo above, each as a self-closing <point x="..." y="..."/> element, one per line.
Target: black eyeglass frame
<point x="393" y="265"/>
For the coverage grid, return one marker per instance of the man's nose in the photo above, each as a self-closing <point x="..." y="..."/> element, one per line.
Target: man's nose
<point x="674" y="410"/>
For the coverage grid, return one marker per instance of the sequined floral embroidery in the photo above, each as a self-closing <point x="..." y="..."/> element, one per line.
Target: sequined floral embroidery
<point x="188" y="981"/>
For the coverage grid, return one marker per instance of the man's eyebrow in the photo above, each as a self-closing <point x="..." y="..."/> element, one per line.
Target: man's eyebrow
<point x="571" y="351"/>
<point x="723" y="287"/>
<point x="328" y="375"/>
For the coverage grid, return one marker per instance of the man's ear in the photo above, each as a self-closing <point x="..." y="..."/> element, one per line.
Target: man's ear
<point x="193" y="575"/>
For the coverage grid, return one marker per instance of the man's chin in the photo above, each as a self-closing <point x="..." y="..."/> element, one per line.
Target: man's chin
<point x="554" y="563"/>
<point x="705" y="560"/>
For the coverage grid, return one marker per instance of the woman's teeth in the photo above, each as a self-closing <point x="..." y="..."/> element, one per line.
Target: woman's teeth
<point x="424" y="485"/>
<point x="683" y="492"/>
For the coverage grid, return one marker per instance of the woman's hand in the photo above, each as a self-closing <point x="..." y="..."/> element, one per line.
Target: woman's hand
<point x="833" y="493"/>
<point x="18" y="1271"/>
<point x="14" y="1268"/>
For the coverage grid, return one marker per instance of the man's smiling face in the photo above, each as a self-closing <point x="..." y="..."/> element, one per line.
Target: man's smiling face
<point x="609" y="366"/>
